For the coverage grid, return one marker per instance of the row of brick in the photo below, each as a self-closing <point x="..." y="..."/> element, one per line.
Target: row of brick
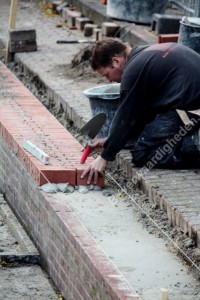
<point x="22" y="116"/>
<point x="74" y="260"/>
<point x="76" y="20"/>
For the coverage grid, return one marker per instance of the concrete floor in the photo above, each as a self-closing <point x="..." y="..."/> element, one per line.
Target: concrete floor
<point x="145" y="260"/>
<point x="21" y="276"/>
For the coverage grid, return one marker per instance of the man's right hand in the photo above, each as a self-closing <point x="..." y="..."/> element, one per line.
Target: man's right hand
<point x="97" y="145"/>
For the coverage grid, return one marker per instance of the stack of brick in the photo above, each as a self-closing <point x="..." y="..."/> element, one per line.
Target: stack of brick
<point x="22" y="40"/>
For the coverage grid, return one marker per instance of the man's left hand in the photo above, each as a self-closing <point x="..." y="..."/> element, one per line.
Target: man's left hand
<point x="97" y="167"/>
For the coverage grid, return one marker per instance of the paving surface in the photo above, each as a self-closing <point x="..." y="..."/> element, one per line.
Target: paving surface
<point x="145" y="260"/>
<point x="175" y="191"/>
<point x="21" y="277"/>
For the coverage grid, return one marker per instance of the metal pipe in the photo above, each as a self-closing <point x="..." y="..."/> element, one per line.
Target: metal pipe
<point x="184" y="6"/>
<point x="197" y="9"/>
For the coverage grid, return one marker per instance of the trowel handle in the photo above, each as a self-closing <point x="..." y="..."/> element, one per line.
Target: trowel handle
<point x="85" y="154"/>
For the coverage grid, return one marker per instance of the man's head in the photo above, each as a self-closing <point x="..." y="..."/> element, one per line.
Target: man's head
<point x="109" y="58"/>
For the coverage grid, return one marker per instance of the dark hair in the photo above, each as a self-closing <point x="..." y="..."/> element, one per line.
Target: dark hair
<point x="104" y="51"/>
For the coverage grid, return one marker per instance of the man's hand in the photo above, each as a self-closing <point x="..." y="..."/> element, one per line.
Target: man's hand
<point x="97" y="145"/>
<point x="97" y="167"/>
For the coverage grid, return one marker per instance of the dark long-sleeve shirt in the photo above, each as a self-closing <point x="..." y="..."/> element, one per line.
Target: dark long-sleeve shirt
<point x="156" y="79"/>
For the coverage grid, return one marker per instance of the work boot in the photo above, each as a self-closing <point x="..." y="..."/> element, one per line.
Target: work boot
<point x="196" y="139"/>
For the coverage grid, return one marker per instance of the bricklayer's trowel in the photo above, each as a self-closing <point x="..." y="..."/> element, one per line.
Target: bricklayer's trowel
<point x="91" y="129"/>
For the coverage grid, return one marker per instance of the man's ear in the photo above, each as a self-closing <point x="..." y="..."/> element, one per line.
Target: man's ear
<point x="116" y="61"/>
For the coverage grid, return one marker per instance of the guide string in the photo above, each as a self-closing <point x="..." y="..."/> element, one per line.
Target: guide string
<point x="155" y="224"/>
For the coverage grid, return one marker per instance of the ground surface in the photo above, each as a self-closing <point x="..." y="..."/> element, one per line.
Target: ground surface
<point x="128" y="221"/>
<point x="20" y="278"/>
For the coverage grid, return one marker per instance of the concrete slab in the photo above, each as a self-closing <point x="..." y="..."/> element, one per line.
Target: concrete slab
<point x="26" y="282"/>
<point x="145" y="260"/>
<point x="21" y="277"/>
<point x="15" y="243"/>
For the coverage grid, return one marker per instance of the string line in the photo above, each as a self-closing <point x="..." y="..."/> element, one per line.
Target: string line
<point x="168" y="237"/>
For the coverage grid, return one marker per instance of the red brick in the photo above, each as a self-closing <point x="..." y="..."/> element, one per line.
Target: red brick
<point x="83" y="181"/>
<point x="167" y="38"/>
<point x="82" y="21"/>
<point x="58" y="176"/>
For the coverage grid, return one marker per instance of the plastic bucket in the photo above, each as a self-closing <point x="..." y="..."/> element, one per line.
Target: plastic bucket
<point x="138" y="11"/>
<point x="104" y="98"/>
<point x="189" y="34"/>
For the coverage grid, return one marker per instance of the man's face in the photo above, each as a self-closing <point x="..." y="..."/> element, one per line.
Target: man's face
<point x="113" y="72"/>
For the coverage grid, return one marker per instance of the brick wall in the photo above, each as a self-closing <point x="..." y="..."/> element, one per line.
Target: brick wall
<point x="75" y="262"/>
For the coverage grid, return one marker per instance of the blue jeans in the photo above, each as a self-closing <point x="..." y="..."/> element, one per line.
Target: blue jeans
<point x="167" y="143"/>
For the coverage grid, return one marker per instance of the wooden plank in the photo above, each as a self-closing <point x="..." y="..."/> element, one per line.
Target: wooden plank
<point x="163" y="294"/>
<point x="2" y="52"/>
<point x="12" y="22"/>
<point x="13" y="14"/>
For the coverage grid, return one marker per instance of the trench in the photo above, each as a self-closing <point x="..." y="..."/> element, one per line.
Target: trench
<point x="21" y="273"/>
<point x="146" y="213"/>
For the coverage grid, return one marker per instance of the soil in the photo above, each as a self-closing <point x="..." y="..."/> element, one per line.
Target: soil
<point x="80" y="68"/>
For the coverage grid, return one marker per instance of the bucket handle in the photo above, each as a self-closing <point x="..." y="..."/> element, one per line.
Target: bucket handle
<point x="107" y="97"/>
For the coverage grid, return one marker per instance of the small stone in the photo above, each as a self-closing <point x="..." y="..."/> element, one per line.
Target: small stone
<point x="107" y="193"/>
<point x="49" y="188"/>
<point x="83" y="189"/>
<point x="155" y="206"/>
<point x="97" y="188"/>
<point x="65" y="188"/>
<point x="189" y="243"/>
<point x="143" y="215"/>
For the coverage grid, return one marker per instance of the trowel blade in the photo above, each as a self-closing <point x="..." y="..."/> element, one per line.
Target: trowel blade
<point x="94" y="125"/>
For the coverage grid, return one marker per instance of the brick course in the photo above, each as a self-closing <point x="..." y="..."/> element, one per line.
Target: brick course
<point x="73" y="259"/>
<point x="22" y="116"/>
